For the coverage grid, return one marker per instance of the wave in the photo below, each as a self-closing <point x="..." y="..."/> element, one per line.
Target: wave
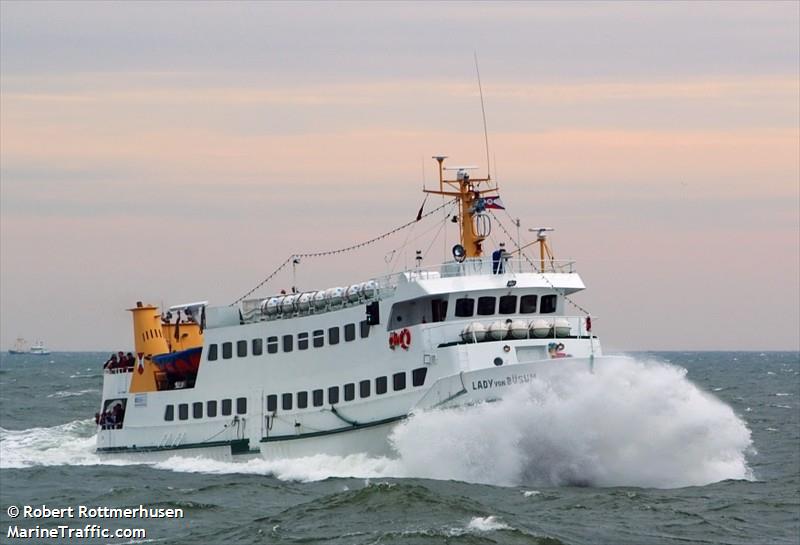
<point x="631" y="423"/>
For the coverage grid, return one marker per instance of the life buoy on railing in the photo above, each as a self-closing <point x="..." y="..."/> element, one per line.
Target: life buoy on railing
<point x="400" y="338"/>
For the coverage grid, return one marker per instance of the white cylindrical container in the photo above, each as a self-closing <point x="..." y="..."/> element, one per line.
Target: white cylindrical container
<point x="334" y="295"/>
<point x="519" y="329"/>
<point x="319" y="300"/>
<point x="353" y="293"/>
<point x="474" y="332"/>
<point x="540" y="329"/>
<point x="274" y="305"/>
<point x="287" y="306"/>
<point x="370" y="289"/>
<point x="304" y="301"/>
<point x="498" y="330"/>
<point x="562" y="327"/>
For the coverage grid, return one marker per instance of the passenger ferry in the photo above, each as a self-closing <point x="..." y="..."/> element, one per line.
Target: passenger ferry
<point x="334" y="370"/>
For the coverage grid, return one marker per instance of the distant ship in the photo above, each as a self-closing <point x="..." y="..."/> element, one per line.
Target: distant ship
<point x="39" y="349"/>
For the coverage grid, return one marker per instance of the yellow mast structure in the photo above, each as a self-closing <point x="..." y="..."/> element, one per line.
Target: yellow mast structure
<point x="470" y="193"/>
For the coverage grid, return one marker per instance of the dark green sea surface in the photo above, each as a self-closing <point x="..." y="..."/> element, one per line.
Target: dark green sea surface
<point x="46" y="457"/>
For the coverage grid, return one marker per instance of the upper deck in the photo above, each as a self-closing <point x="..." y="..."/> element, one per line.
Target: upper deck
<point x="472" y="274"/>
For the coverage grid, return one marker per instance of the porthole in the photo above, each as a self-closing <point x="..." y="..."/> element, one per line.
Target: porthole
<point x="498" y="362"/>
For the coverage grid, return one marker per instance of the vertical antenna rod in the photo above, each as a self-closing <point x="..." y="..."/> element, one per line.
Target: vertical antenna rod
<point x="483" y="111"/>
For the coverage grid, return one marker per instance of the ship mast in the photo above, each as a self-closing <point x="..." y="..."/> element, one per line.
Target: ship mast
<point x="474" y="223"/>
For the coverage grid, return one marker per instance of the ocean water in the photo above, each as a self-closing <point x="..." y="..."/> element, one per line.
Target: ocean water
<point x="668" y="448"/>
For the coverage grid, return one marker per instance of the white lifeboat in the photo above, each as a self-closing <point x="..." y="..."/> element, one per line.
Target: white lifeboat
<point x="474" y="332"/>
<point x="519" y="329"/>
<point x="562" y="327"/>
<point x="287" y="306"/>
<point x="319" y="299"/>
<point x="274" y="305"/>
<point x="498" y="330"/>
<point x="540" y="328"/>
<point x="304" y="301"/>
<point x="263" y="306"/>
<point x="334" y="295"/>
<point x="354" y="292"/>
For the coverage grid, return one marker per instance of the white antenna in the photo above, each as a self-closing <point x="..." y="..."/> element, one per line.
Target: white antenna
<point x="483" y="111"/>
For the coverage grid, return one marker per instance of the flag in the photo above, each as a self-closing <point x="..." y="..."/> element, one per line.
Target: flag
<point x="494" y="202"/>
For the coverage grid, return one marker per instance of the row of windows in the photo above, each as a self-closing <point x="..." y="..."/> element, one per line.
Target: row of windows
<point x="505" y="304"/>
<point x="348" y="391"/>
<point x="210" y="406"/>
<point x="287" y="342"/>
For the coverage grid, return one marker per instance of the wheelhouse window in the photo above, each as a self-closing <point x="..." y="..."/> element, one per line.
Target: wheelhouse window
<point x="183" y="411"/>
<point x="211" y="408"/>
<point x="227" y="351"/>
<point x="302" y="400"/>
<point x="507" y="305"/>
<point x="349" y="391"/>
<point x="197" y="409"/>
<point x="169" y="413"/>
<point x="227" y="407"/>
<point x="302" y="341"/>
<point x="399" y="381"/>
<point x="272" y="403"/>
<point x="350" y="332"/>
<point x="286" y="402"/>
<point x="486" y="306"/>
<point x="381" y="385"/>
<point x="258" y="347"/>
<point x="438" y="310"/>
<point x="212" y="352"/>
<point x="527" y="304"/>
<point x="418" y="376"/>
<point x="333" y="335"/>
<point x="548" y="304"/>
<point x="363" y="388"/>
<point x="241" y="405"/>
<point x="465" y="307"/>
<point x="317" y="398"/>
<point x="333" y="395"/>
<point x="272" y="345"/>
<point x="319" y="338"/>
<point x="288" y="342"/>
<point x="241" y="349"/>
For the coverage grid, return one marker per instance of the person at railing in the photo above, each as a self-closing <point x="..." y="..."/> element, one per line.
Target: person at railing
<point x="499" y="258"/>
<point x="111" y="363"/>
<point x="130" y="363"/>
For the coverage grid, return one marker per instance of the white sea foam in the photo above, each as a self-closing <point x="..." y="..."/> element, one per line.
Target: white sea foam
<point x="487" y="524"/>
<point x="66" y="393"/>
<point x="630" y="423"/>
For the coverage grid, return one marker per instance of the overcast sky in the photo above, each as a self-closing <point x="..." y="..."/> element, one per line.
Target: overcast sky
<point x="173" y="152"/>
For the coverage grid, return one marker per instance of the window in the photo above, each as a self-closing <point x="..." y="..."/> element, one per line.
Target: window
<point x="333" y="335"/>
<point x="212" y="352"/>
<point x="399" y="381"/>
<point x="286" y="402"/>
<point x="333" y="395"/>
<point x="548" y="305"/>
<point x="350" y="332"/>
<point x="363" y="388"/>
<point x="418" y="376"/>
<point x="319" y="338"/>
<point x="380" y="385"/>
<point x="227" y="407"/>
<point x="527" y="304"/>
<point x="272" y="403"/>
<point x="508" y="304"/>
<point x="465" y="307"/>
<point x="349" y="391"/>
<point x="183" y="411"/>
<point x="197" y="409"/>
<point x="227" y="351"/>
<point x="438" y="310"/>
<point x="316" y="396"/>
<point x="302" y="400"/>
<point x="288" y="341"/>
<point x="211" y="408"/>
<point x="241" y="405"/>
<point x="302" y="341"/>
<point x="258" y="347"/>
<point x="169" y="413"/>
<point x="272" y="345"/>
<point x="241" y="349"/>
<point x="364" y="325"/>
<point x="486" y="306"/>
